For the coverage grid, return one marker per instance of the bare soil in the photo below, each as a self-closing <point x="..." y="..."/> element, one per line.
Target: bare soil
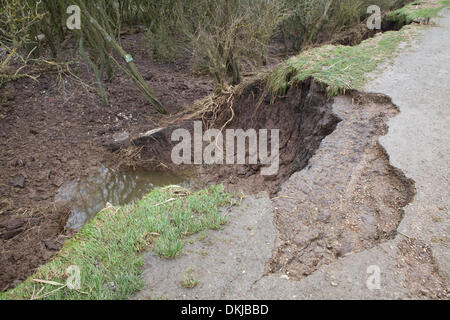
<point x="304" y="117"/>
<point x="416" y="259"/>
<point x="348" y="199"/>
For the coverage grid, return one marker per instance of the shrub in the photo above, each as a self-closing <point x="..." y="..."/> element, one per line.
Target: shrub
<point x="100" y="31"/>
<point x="313" y="20"/>
<point x="218" y="34"/>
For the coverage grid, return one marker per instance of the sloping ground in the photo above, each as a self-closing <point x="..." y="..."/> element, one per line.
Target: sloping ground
<point x="414" y="263"/>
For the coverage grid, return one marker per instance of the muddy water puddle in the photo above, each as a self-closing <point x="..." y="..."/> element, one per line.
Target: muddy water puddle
<point x="89" y="195"/>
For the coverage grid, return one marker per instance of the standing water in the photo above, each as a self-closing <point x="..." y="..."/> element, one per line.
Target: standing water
<point x="90" y="195"/>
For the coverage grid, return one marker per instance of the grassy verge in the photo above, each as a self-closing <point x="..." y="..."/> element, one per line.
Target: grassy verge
<point x="345" y="67"/>
<point x="108" y="249"/>
<point x="416" y="10"/>
<point x="339" y="67"/>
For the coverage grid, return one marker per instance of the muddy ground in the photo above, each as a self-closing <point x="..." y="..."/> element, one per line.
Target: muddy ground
<point x="304" y="117"/>
<point x="50" y="135"/>
<point x="331" y="197"/>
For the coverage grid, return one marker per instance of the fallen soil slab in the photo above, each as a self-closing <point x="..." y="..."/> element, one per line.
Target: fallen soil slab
<point x="348" y="198"/>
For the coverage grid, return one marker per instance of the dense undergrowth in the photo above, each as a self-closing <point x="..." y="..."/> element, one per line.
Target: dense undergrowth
<point x="342" y="67"/>
<point x="218" y="36"/>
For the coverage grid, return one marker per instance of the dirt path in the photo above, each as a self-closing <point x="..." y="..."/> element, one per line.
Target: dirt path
<point x="256" y="257"/>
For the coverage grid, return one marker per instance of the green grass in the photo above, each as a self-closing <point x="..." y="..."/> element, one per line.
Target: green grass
<point x="345" y="67"/>
<point x="108" y="250"/>
<point x="412" y="11"/>
<point x="339" y="67"/>
<point x="189" y="280"/>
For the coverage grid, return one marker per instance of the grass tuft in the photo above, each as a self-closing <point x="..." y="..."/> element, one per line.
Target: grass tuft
<point x="189" y="280"/>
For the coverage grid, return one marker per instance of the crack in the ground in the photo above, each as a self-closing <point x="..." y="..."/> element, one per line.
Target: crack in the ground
<point x="348" y="199"/>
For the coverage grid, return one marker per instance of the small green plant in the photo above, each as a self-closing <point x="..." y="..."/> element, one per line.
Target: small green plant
<point x="203" y="253"/>
<point x="189" y="280"/>
<point x="202" y="236"/>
